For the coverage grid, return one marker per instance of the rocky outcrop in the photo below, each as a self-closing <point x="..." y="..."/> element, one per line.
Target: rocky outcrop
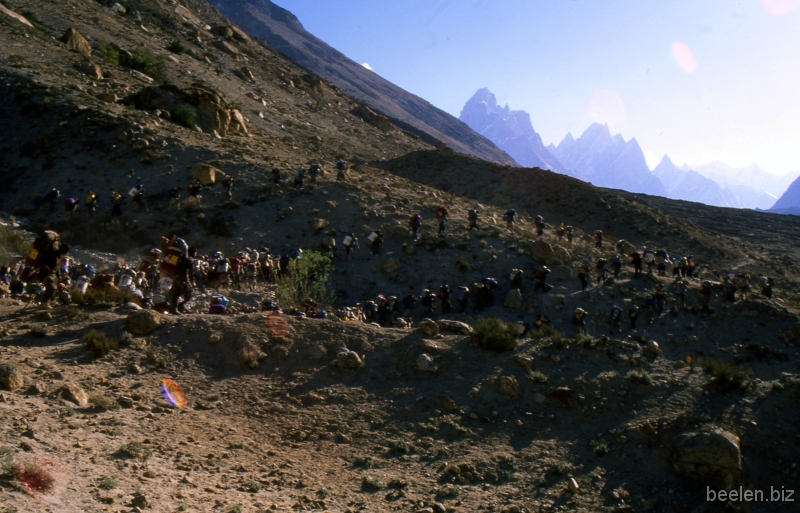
<point x="75" y="394"/>
<point x="429" y="327"/>
<point x="373" y="118"/>
<point x="20" y="18"/>
<point x="425" y="363"/>
<point x="213" y="113"/>
<point x="713" y="457"/>
<point x="513" y="299"/>
<point x="206" y="174"/>
<point x="11" y="377"/>
<point x="142" y="322"/>
<point x="76" y="42"/>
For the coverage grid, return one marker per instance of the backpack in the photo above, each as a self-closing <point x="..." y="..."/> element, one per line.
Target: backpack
<point x="510" y="215"/>
<point x="340" y="165"/>
<point x="490" y="282"/>
<point x="441" y="212"/>
<point x="48" y="241"/>
<point x="226" y="180"/>
<point x="416" y="221"/>
<point x="473" y="214"/>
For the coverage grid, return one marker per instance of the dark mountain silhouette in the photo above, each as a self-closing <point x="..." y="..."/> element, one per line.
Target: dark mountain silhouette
<point x="510" y="130"/>
<point x="789" y="202"/>
<point x="281" y="30"/>
<point x="608" y="161"/>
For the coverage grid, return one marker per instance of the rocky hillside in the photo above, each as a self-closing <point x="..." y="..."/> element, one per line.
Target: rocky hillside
<point x="281" y="30"/>
<point x="345" y="416"/>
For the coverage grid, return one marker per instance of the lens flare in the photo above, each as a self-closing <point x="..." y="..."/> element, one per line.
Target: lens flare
<point x="684" y="56"/>
<point x="173" y="393"/>
<point x="777" y="8"/>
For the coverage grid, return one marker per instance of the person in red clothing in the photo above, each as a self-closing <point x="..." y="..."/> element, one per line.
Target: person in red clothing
<point x="236" y="271"/>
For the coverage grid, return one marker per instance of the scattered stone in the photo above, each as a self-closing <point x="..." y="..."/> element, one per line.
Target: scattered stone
<point x="425" y="363"/>
<point x="573" y="486"/>
<point x="214" y="338"/>
<point x="135" y="369"/>
<point x="92" y="71"/>
<point x="391" y="265"/>
<point x="349" y="360"/>
<point x="409" y="249"/>
<point x="75" y="41"/>
<point x="319" y="224"/>
<point x="429" y="346"/>
<point x="11" y="377"/>
<point x="206" y="174"/>
<point x="125" y="401"/>
<point x="542" y="251"/>
<point x="509" y="387"/>
<point x="119" y="9"/>
<point x="319" y="354"/>
<point x="456" y="326"/>
<point x="132" y="306"/>
<point x="37" y="388"/>
<point x="108" y="97"/>
<point x="713" y="457"/>
<point x="429" y="327"/>
<point x="75" y="394"/>
<point x="142" y="322"/>
<point x="286" y="212"/>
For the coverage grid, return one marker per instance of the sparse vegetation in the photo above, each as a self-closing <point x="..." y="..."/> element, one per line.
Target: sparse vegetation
<point x="538" y="377"/>
<point x="37" y="330"/>
<point x="100" y="344"/>
<point x="185" y="115"/>
<point x="374" y="483"/>
<point x="6" y="463"/>
<point x="495" y="335"/>
<point x="13" y="243"/>
<point x="176" y="47"/>
<point x="401" y="447"/>
<point x="308" y="276"/>
<point x="100" y="402"/>
<point x="107" y="483"/>
<point x="136" y="450"/>
<point x="585" y="340"/>
<point x="601" y="449"/>
<point x="364" y="461"/>
<point x="252" y="486"/>
<point x="109" y="52"/>
<point x="639" y="376"/>
<point x="148" y="63"/>
<point x="727" y="376"/>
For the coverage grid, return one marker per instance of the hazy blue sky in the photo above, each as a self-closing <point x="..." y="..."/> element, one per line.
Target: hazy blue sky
<point x="700" y="80"/>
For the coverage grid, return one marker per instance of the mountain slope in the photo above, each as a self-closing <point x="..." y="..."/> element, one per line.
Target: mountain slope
<point x="608" y="161"/>
<point x="689" y="185"/>
<point x="281" y="30"/>
<point x="754" y="187"/>
<point x="510" y="130"/>
<point x="790" y="200"/>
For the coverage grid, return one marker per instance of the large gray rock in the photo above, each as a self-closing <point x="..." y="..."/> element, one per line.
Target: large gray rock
<point x="713" y="457"/>
<point x="429" y="327"/>
<point x="509" y="387"/>
<point x="562" y="254"/>
<point x="425" y="363"/>
<point x="142" y="322"/>
<point x="513" y="299"/>
<point x="398" y="231"/>
<point x="391" y="265"/>
<point x="542" y="251"/>
<point x="11" y="377"/>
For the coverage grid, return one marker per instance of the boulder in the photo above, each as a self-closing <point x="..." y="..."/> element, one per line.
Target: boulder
<point x="75" y="41"/>
<point x="391" y="265"/>
<point x="457" y="326"/>
<point x="509" y="387"/>
<point x="227" y="47"/>
<point x="349" y="360"/>
<point x="373" y="118"/>
<point x="318" y="224"/>
<point x="429" y="327"/>
<point x="142" y="322"/>
<point x="92" y="70"/>
<point x="409" y="249"/>
<point x="11" y="377"/>
<point x="205" y="173"/>
<point x="398" y="231"/>
<point x="118" y="8"/>
<point x="75" y="394"/>
<point x="286" y="212"/>
<point x="562" y="254"/>
<point x="713" y="457"/>
<point x="513" y="299"/>
<point x="561" y="273"/>
<point x="425" y="363"/>
<point x="542" y="251"/>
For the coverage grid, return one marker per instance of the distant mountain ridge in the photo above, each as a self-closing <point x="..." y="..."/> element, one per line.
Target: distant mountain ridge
<point x="789" y="202"/>
<point x="281" y="30"/>
<point x="608" y="161"/>
<point x="686" y="184"/>
<point x="510" y="130"/>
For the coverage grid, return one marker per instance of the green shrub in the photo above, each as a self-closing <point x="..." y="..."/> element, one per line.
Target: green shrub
<point x="495" y="335"/>
<point x="6" y="462"/>
<point x="109" y="52"/>
<point x="601" y="449"/>
<point x="176" y="47"/>
<point x="38" y="330"/>
<point x="14" y="243"/>
<point x="185" y="115"/>
<point x="374" y="483"/>
<point x="136" y="450"/>
<point x="306" y="277"/>
<point x="148" y="63"/>
<point x="100" y="344"/>
<point x="639" y="376"/>
<point x="538" y="377"/>
<point x="364" y="461"/>
<point x="107" y="483"/>
<point x="402" y="447"/>
<point x="727" y="376"/>
<point x="100" y="402"/>
<point x="585" y="340"/>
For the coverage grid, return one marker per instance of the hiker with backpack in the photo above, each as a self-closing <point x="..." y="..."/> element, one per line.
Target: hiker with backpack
<point x="45" y="259"/>
<point x="561" y="231"/>
<point x="137" y="193"/>
<point x="174" y="199"/>
<point x="409" y="302"/>
<point x="633" y="314"/>
<point x="473" y="216"/>
<point x="441" y="215"/>
<point x="766" y="287"/>
<point x="276" y="175"/>
<point x="600" y="267"/>
<point x="299" y="174"/>
<point x="660" y="298"/>
<point x="636" y="260"/>
<point x="428" y="300"/>
<point x="227" y="183"/>
<point x="91" y="203"/>
<point x="341" y="170"/>
<point x="517" y="277"/>
<point x="570" y="235"/>
<point x="489" y="287"/>
<point x="116" y="203"/>
<point x="538" y="222"/>
<point x="194" y="189"/>
<point x="444" y="297"/>
<point x="462" y="296"/>
<point x="376" y="242"/>
<point x="415" y="223"/>
<point x="616" y="319"/>
<point x="71" y="206"/>
<point x="350" y="242"/>
<point x="583" y="276"/>
<point x="313" y="171"/>
<point x="616" y="264"/>
<point x="509" y="218"/>
<point x="540" y="278"/>
<point x="579" y="321"/>
<point x="598" y="239"/>
<point x="51" y="198"/>
<point x="183" y="282"/>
